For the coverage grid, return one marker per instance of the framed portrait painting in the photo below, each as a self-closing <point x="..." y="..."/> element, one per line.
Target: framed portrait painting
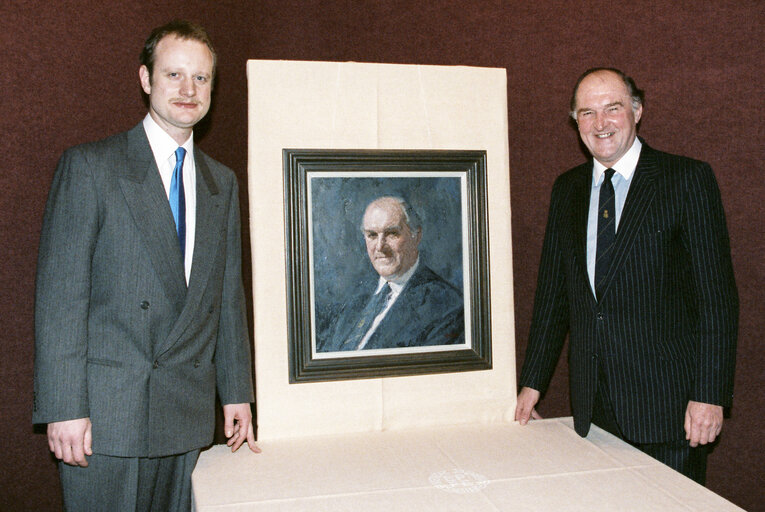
<point x="387" y="262"/>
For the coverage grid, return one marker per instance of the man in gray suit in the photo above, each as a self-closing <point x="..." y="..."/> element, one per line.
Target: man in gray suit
<point x="636" y="269"/>
<point x="140" y="311"/>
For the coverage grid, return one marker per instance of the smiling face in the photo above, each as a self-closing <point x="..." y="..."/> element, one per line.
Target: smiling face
<point x="606" y="117"/>
<point x="179" y="86"/>
<point x="391" y="244"/>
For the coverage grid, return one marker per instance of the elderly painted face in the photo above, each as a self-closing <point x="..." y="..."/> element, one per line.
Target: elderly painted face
<point x="180" y="86"/>
<point x="605" y="116"/>
<point x="391" y="244"/>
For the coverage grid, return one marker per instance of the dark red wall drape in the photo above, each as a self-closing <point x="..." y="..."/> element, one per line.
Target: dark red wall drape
<point x="69" y="74"/>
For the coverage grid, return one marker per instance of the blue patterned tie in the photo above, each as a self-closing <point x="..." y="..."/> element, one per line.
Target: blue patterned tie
<point x="178" y="199"/>
<point x="606" y="232"/>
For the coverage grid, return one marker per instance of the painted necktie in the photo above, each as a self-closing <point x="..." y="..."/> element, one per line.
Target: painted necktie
<point x="374" y="307"/>
<point x="178" y="199"/>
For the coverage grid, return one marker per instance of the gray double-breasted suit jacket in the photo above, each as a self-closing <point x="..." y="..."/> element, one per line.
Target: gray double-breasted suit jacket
<point x="665" y="329"/>
<point x="120" y="338"/>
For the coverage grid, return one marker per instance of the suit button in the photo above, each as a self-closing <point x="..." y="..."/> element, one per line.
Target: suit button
<point x="599" y="316"/>
<point x="156" y="365"/>
<point x="196" y="363"/>
<point x="145" y="305"/>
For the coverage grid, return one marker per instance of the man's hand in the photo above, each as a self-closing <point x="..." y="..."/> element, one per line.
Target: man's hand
<point x="70" y="441"/>
<point x="238" y="426"/>
<point x="703" y="422"/>
<point x="524" y="408"/>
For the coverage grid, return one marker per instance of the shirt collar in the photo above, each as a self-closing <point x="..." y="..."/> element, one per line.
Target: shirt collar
<point x="398" y="283"/>
<point x="625" y="167"/>
<point x="162" y="144"/>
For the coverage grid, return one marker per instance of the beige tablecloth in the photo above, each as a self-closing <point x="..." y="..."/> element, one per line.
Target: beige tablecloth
<point x="543" y="466"/>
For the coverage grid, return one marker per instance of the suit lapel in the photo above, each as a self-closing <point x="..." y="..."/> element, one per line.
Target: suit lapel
<point x="209" y="230"/>
<point x="145" y="195"/>
<point x="210" y="222"/>
<point x="580" y="209"/>
<point x="639" y="198"/>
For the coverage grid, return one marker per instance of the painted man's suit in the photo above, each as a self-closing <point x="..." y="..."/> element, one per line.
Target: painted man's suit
<point x="119" y="336"/>
<point x="429" y="311"/>
<point x="665" y="329"/>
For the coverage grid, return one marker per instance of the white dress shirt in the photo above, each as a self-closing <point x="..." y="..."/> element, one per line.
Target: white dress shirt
<point x="625" y="169"/>
<point x="163" y="146"/>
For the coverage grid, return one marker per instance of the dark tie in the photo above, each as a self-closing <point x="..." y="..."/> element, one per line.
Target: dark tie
<point x="606" y="232"/>
<point x="178" y="199"/>
<point x="373" y="308"/>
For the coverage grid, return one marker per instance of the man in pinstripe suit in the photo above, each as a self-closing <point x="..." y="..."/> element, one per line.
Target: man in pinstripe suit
<point x="652" y="353"/>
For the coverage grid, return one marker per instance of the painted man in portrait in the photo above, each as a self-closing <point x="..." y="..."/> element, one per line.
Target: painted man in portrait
<point x="409" y="305"/>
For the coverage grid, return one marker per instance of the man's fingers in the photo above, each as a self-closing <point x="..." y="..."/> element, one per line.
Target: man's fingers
<point x="78" y="455"/>
<point x="703" y="423"/>
<point x="521" y="415"/>
<point x="524" y="408"/>
<point x="237" y="435"/>
<point x="237" y="440"/>
<point x="62" y="454"/>
<point x="232" y="433"/>
<point x="238" y="426"/>
<point x="70" y="441"/>
<point x="66" y="455"/>
<point x="228" y="428"/>
<point x="88" y="442"/>
<point x="694" y="436"/>
<point x="70" y="451"/>
<point x="251" y="440"/>
<point x="708" y="434"/>
<point x="55" y="447"/>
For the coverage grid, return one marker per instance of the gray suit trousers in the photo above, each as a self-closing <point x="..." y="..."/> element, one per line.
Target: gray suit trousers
<point x="116" y="484"/>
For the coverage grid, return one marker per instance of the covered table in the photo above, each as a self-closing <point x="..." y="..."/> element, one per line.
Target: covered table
<point x="543" y="466"/>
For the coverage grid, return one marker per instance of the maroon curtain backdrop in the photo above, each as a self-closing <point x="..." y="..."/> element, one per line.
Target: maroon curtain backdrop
<point x="70" y="75"/>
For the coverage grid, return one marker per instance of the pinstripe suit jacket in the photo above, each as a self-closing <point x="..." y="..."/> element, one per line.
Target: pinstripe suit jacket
<point x="119" y="337"/>
<point x="665" y="329"/>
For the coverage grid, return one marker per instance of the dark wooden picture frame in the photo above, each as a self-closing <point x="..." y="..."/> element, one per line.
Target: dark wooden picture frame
<point x="325" y="192"/>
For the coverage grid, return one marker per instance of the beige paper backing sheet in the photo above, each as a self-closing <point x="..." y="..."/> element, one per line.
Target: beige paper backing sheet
<point x="373" y="106"/>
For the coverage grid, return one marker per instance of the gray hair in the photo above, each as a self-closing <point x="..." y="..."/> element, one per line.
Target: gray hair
<point x="412" y="218"/>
